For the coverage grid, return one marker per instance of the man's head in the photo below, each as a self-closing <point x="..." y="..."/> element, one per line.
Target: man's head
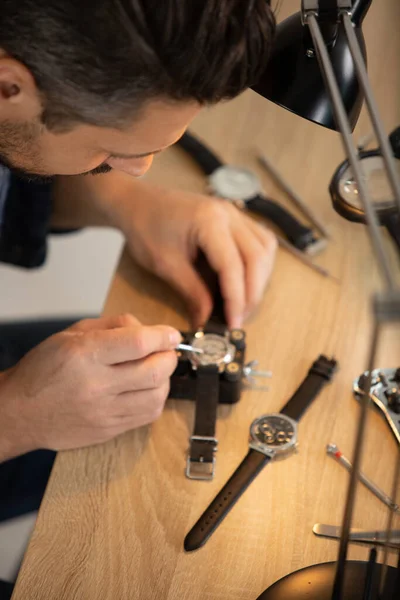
<point x="86" y="84"/>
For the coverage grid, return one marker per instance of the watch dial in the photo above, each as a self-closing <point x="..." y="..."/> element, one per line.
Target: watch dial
<point x="215" y="349"/>
<point x="235" y="183"/>
<point x="274" y="431"/>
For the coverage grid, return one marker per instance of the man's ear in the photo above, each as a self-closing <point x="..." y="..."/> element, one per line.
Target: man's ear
<point x="19" y="95"/>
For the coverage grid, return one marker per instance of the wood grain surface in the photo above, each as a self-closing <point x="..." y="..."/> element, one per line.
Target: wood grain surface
<point x="114" y="517"/>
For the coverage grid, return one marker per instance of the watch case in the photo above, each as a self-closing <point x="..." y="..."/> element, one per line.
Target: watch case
<point x="184" y="378"/>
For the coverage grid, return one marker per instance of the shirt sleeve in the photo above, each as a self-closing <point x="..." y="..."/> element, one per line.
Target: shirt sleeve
<point x="25" y="214"/>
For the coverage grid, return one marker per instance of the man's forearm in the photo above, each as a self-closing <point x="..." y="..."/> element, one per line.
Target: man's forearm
<point x="8" y="434"/>
<point x="92" y="200"/>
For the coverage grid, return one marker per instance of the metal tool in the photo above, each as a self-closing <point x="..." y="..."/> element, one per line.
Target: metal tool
<point x="333" y="450"/>
<point x="385" y="394"/>
<point x="250" y="372"/>
<point x="303" y="257"/>
<point x="346" y="198"/>
<point x="188" y="348"/>
<point x="294" y="196"/>
<point x="377" y="538"/>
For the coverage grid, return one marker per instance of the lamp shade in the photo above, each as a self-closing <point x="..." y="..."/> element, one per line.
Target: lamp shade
<point x="293" y="78"/>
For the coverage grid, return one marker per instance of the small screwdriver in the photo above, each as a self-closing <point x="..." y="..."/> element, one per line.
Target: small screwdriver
<point x="333" y="450"/>
<point x="188" y="348"/>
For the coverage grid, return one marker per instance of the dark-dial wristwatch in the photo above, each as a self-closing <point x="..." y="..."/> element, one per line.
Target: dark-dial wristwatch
<point x="272" y="436"/>
<point x="242" y="187"/>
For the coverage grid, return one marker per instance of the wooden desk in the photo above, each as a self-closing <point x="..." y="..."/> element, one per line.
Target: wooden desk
<point x="114" y="517"/>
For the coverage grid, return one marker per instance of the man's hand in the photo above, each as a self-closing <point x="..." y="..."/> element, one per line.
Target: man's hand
<point x="165" y="229"/>
<point x="86" y="385"/>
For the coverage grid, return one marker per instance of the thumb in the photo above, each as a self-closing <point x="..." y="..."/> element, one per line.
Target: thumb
<point x="184" y="278"/>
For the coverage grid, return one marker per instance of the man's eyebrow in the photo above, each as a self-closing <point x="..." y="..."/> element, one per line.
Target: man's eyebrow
<point x="118" y="155"/>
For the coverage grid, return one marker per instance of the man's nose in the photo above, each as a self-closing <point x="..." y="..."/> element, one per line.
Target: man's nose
<point x="132" y="166"/>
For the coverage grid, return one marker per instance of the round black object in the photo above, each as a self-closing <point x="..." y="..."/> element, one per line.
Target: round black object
<point x="349" y="211"/>
<point x="316" y="583"/>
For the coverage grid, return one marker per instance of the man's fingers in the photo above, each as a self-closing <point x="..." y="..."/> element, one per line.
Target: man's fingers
<point x="112" y="322"/>
<point x="180" y="274"/>
<point x="145" y="406"/>
<point x="258" y="255"/>
<point x="145" y="374"/>
<point x="265" y="236"/>
<point x="127" y="344"/>
<point x="224" y="257"/>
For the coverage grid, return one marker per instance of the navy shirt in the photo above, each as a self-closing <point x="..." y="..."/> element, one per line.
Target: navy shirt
<point x="4" y="187"/>
<point x="25" y="211"/>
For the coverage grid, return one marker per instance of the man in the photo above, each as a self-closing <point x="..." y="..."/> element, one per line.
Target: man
<point x="98" y="88"/>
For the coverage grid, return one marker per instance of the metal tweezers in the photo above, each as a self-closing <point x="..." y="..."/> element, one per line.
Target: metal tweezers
<point x="376" y="538"/>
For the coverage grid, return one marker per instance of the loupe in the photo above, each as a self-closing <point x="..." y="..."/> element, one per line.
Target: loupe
<point x="346" y="199"/>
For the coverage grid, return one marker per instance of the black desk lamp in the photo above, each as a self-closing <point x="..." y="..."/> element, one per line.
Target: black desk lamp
<point x="293" y="77"/>
<point x="318" y="71"/>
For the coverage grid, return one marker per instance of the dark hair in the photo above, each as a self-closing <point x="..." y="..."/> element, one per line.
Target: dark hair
<point x="99" y="61"/>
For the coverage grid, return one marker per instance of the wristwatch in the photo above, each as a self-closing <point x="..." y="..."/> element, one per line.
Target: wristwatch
<point x="242" y="187"/>
<point x="221" y="363"/>
<point x="272" y="436"/>
<point x="218" y="352"/>
<point x="215" y="376"/>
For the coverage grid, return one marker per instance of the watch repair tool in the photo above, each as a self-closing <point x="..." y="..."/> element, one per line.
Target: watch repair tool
<point x="188" y="348"/>
<point x="346" y="200"/>
<point x="385" y="394"/>
<point x="333" y="450"/>
<point x="293" y="195"/>
<point x="243" y="188"/>
<point x="304" y="258"/>
<point x="377" y="538"/>
<point x="272" y="436"/>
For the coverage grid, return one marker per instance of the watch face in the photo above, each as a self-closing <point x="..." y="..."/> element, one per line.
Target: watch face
<point x="216" y="350"/>
<point x="274" y="434"/>
<point x="235" y="183"/>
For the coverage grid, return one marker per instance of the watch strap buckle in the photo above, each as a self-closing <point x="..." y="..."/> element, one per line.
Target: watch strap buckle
<point x="200" y="462"/>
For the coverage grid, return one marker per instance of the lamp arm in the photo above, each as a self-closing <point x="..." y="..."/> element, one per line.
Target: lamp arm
<point x="344" y="127"/>
<point x="359" y="10"/>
